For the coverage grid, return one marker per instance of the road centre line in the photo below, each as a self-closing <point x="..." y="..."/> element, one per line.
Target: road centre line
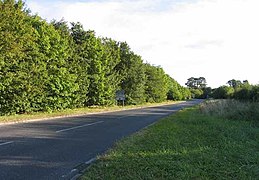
<point x="123" y="116"/>
<point x="6" y="143"/>
<point x="76" y="127"/>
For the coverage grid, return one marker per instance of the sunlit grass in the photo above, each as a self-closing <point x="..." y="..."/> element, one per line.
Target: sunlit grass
<point x="187" y="145"/>
<point x="72" y="112"/>
<point x="232" y="109"/>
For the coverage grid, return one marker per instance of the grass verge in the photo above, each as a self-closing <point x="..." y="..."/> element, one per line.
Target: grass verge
<point x="186" y="145"/>
<point x="72" y="112"/>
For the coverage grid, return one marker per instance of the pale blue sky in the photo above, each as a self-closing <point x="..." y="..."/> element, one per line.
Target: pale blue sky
<point x="159" y="5"/>
<point x="216" y="39"/>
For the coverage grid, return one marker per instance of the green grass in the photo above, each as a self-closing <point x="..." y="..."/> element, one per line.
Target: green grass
<point x="72" y="112"/>
<point x="187" y="145"/>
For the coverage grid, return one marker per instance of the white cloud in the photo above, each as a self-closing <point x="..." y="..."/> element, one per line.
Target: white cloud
<point x="217" y="39"/>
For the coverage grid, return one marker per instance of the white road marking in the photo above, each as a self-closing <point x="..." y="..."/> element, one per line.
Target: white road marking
<point x="90" y="161"/>
<point x="6" y="143"/>
<point x="75" y="173"/>
<point x="123" y="116"/>
<point x="76" y="127"/>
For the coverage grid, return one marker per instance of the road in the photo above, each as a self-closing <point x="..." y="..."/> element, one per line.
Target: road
<point x="54" y="149"/>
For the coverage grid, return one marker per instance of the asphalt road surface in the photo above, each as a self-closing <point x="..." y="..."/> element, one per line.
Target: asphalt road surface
<point x="57" y="148"/>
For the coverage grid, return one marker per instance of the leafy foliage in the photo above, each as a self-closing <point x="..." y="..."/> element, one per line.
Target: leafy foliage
<point x="196" y="83"/>
<point x="52" y="66"/>
<point x="176" y="91"/>
<point x="223" y="92"/>
<point x="237" y="90"/>
<point x="198" y="87"/>
<point x="156" y="84"/>
<point x="133" y="77"/>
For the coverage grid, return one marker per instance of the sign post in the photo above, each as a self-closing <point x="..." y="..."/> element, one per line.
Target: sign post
<point x="120" y="96"/>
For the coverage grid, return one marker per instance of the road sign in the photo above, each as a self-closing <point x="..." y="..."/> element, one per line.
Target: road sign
<point x="120" y="95"/>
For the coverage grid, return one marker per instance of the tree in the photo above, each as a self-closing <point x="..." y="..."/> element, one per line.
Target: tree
<point x="176" y="91"/>
<point x="198" y="87"/>
<point x="19" y="60"/>
<point x="79" y="62"/>
<point x="243" y="93"/>
<point x="96" y="70"/>
<point x="156" y="84"/>
<point x="132" y="72"/>
<point x="255" y="93"/>
<point x="234" y="83"/>
<point x="223" y="92"/>
<point x="33" y="58"/>
<point x="245" y="82"/>
<point x="207" y="92"/>
<point x="196" y="83"/>
<point x="49" y="66"/>
<point x="196" y="93"/>
<point x="191" y="82"/>
<point x="59" y="84"/>
<point x="111" y="57"/>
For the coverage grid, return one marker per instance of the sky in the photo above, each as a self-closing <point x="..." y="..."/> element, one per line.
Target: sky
<point x="215" y="39"/>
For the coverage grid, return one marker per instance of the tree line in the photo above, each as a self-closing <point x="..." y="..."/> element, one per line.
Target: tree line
<point x="236" y="89"/>
<point x="52" y="66"/>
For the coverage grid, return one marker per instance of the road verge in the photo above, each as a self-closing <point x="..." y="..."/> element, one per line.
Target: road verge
<point x="41" y="116"/>
<point x="186" y="145"/>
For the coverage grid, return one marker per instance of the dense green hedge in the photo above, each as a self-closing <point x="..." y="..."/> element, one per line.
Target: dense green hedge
<point x="244" y="92"/>
<point x="50" y="66"/>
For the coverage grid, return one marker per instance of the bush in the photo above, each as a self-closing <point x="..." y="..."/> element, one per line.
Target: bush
<point x="223" y="92"/>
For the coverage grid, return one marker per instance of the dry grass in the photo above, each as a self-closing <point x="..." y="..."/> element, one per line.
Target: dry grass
<point x="231" y="109"/>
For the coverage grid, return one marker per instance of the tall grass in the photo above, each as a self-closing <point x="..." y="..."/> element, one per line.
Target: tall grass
<point x="232" y="109"/>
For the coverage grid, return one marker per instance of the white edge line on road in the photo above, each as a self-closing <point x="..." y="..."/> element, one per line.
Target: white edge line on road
<point x="76" y="127"/>
<point x="6" y="143"/>
<point x="75" y="173"/>
<point x="90" y="161"/>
